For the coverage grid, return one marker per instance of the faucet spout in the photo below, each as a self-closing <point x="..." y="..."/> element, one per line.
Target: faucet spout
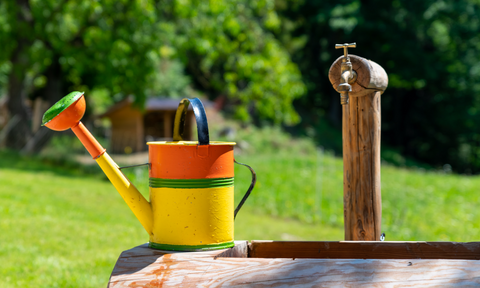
<point x="348" y="76"/>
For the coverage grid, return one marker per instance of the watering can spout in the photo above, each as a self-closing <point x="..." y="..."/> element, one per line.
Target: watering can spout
<point x="134" y="199"/>
<point x="66" y="114"/>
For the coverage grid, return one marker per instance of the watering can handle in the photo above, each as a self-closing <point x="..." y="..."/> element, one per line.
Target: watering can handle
<point x="200" y="118"/>
<point x="252" y="184"/>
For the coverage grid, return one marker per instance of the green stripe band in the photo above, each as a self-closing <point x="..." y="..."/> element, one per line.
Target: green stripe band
<point x="206" y="247"/>
<point x="191" y="183"/>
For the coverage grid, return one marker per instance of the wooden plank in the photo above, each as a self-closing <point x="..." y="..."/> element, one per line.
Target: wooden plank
<point x="197" y="270"/>
<point x="354" y="227"/>
<point x="139" y="135"/>
<point x="365" y="250"/>
<point x="239" y="251"/>
<point x="132" y="260"/>
<point x="374" y="101"/>
<point x="168" y="124"/>
<point x="363" y="208"/>
<point x="347" y="177"/>
<point x="369" y="174"/>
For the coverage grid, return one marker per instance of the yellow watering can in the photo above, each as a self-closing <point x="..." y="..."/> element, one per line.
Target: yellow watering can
<point x="191" y="183"/>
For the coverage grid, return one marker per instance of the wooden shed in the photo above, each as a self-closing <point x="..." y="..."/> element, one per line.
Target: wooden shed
<point x="132" y="128"/>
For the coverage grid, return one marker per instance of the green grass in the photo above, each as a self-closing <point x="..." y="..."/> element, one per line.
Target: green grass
<point x="431" y="206"/>
<point x="298" y="181"/>
<point x="64" y="225"/>
<point x="416" y="205"/>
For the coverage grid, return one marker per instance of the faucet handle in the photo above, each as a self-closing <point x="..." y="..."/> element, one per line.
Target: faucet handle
<point x="345" y="47"/>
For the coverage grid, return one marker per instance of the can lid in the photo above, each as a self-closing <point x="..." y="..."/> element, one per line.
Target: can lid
<point x="189" y="143"/>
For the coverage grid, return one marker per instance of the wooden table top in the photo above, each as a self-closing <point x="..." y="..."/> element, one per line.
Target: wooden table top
<point x="145" y="267"/>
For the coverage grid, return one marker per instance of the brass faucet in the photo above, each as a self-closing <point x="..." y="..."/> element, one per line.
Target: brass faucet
<point x="348" y="76"/>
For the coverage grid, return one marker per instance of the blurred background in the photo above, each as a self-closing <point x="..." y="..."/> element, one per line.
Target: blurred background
<point x="261" y="69"/>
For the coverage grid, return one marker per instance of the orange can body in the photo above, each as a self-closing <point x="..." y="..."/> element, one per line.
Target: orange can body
<point x="191" y="193"/>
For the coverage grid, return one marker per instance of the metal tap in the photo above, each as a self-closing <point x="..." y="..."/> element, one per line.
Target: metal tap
<point x="348" y="76"/>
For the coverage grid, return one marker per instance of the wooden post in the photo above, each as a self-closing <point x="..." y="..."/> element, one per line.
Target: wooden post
<point x="167" y="124"/>
<point x="361" y="148"/>
<point x="140" y="134"/>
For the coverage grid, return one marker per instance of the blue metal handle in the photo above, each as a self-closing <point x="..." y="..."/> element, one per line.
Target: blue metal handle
<point x="200" y="118"/>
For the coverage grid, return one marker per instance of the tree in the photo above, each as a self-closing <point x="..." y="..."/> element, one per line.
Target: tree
<point x="228" y="49"/>
<point x="429" y="49"/>
<point x="53" y="47"/>
<point x="116" y="48"/>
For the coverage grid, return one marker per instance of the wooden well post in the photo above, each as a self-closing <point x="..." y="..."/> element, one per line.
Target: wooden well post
<point x="361" y="142"/>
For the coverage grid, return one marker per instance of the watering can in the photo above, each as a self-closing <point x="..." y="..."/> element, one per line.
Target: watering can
<point x="191" y="183"/>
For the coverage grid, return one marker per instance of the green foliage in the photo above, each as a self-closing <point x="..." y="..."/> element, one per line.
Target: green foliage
<point x="241" y="52"/>
<point x="170" y="81"/>
<point x="4" y="71"/>
<point x="229" y="50"/>
<point x="430" y="110"/>
<point x="112" y="47"/>
<point x="115" y="49"/>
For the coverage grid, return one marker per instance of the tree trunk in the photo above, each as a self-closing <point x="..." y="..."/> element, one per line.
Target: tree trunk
<point x="52" y="93"/>
<point x="53" y="89"/>
<point x="18" y="136"/>
<point x="17" y="94"/>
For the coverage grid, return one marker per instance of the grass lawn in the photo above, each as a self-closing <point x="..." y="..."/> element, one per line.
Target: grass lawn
<point x="65" y="226"/>
<point x="416" y="205"/>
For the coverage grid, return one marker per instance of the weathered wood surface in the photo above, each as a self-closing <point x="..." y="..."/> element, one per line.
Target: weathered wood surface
<point x="361" y="120"/>
<point x="371" y="77"/>
<point x="145" y="265"/>
<point x="365" y="250"/>
<point x="141" y="267"/>
<point x="239" y="251"/>
<point x="361" y="168"/>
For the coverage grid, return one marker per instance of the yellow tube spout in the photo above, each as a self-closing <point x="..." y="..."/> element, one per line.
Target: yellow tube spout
<point x="137" y="203"/>
<point x="66" y="114"/>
